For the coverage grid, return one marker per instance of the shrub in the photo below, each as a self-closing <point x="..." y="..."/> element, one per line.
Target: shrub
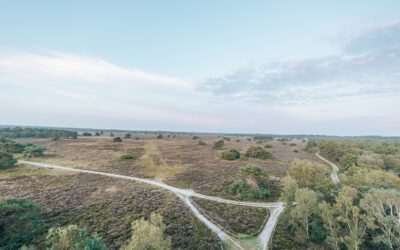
<point x="86" y="134"/>
<point x="127" y="136"/>
<point x="74" y="238"/>
<point x="19" y="222"/>
<point x="218" y="145"/>
<point x="117" y="139"/>
<point x="148" y="235"/>
<point x="259" y="142"/>
<point x="292" y="144"/>
<point x="159" y="136"/>
<point x="258" y="153"/>
<point x="252" y="185"/>
<point x="231" y="155"/>
<point x="195" y="137"/>
<point x="226" y="138"/>
<point x="268" y="146"/>
<point x="34" y="151"/>
<point x="127" y="157"/>
<point x="10" y="146"/>
<point x="111" y="135"/>
<point x="201" y="143"/>
<point x="97" y="134"/>
<point x="237" y="140"/>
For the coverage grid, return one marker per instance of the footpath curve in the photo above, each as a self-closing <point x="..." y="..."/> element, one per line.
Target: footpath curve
<point x="275" y="207"/>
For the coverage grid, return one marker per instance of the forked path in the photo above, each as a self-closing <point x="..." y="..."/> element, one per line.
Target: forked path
<point x="275" y="207"/>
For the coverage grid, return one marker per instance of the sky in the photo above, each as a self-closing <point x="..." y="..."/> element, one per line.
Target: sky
<point x="281" y="67"/>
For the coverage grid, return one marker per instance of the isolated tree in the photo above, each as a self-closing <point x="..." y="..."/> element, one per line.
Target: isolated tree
<point x="159" y="136"/>
<point x="19" y="222"/>
<point x="306" y="204"/>
<point x="72" y="237"/>
<point x="127" y="136"/>
<point x="87" y="134"/>
<point x="148" y="235"/>
<point x="350" y="216"/>
<point x="6" y="160"/>
<point x="384" y="207"/>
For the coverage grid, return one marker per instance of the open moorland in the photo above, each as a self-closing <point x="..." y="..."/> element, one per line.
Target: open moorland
<point x="237" y="181"/>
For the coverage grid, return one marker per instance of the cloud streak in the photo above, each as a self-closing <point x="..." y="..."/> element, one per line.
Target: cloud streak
<point x="368" y="66"/>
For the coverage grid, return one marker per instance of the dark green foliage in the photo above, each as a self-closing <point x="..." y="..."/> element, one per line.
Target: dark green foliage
<point x="218" y="145"/>
<point x="10" y="146"/>
<point x="195" y="137"/>
<point x="268" y="146"/>
<point x="258" y="153"/>
<point x="34" y="151"/>
<point x="127" y="157"/>
<point x="253" y="184"/>
<point x="6" y="160"/>
<point x="237" y="140"/>
<point x="292" y="144"/>
<point x="36" y="133"/>
<point x="231" y="155"/>
<point x="19" y="222"/>
<point x="201" y="143"/>
<point x="127" y="136"/>
<point x="117" y="139"/>
<point x="226" y="138"/>
<point x="97" y="134"/>
<point x="73" y="237"/>
<point x="159" y="136"/>
<point x="86" y="134"/>
<point x="317" y="231"/>
<point x="263" y="138"/>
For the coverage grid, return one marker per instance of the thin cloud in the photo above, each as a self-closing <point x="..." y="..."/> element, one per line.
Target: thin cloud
<point x="369" y="65"/>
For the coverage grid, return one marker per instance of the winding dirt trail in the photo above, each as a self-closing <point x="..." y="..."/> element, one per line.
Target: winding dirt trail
<point x="335" y="169"/>
<point x="264" y="237"/>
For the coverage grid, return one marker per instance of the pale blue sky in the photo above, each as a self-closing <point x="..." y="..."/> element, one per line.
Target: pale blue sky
<point x="219" y="66"/>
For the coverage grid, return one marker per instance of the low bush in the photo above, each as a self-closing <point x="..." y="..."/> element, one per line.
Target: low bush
<point x="292" y="144"/>
<point x="72" y="237"/>
<point x="159" y="136"/>
<point x="218" y="145"/>
<point x="127" y="157"/>
<point x="19" y="222"/>
<point x="231" y="155"/>
<point x="201" y="143"/>
<point x="127" y="136"/>
<point x="6" y="160"/>
<point x="86" y="134"/>
<point x="268" y="146"/>
<point x="258" y="153"/>
<point x="252" y="185"/>
<point x="34" y="151"/>
<point x="117" y="139"/>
